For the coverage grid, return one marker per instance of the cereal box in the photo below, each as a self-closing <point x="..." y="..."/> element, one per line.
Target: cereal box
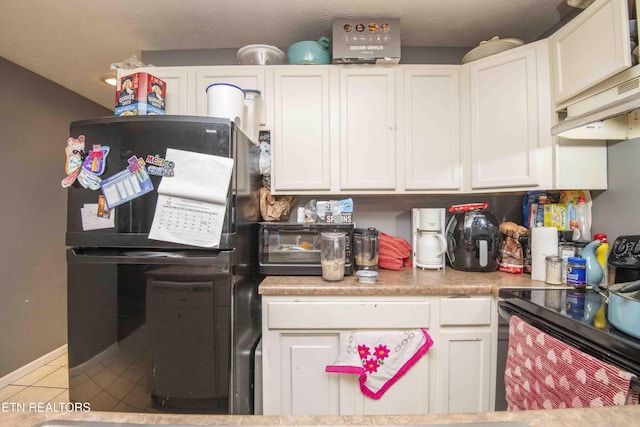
<point x="139" y="94"/>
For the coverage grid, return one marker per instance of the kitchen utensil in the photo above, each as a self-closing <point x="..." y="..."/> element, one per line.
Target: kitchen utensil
<point x="260" y="54"/>
<point x="491" y="47"/>
<point x="332" y="256"/>
<point x="473" y="241"/>
<point x="310" y="52"/>
<point x="225" y="100"/>
<point x="367" y="245"/>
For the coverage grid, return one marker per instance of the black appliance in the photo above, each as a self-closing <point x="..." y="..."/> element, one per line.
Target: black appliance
<point x="155" y="326"/>
<point x="288" y="248"/>
<point x="567" y="314"/>
<point x="624" y="259"/>
<point x="473" y="241"/>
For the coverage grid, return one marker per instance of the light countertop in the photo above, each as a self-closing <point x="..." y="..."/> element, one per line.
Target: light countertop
<point x="410" y="281"/>
<point x="623" y="416"/>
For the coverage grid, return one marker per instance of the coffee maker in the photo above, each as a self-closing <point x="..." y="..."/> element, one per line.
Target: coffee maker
<point x="429" y="243"/>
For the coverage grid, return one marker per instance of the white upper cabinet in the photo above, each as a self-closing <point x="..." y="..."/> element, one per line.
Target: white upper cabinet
<point x="590" y="48"/>
<point x="367" y="128"/>
<point x="180" y="84"/>
<point x="509" y="123"/>
<point x="300" y="140"/>
<point x="245" y="77"/>
<point x="430" y="133"/>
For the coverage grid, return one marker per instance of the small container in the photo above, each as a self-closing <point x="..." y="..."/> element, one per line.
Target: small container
<point x="553" y="273"/>
<point x="252" y="112"/>
<point x="577" y="272"/>
<point x="367" y="276"/>
<point x="566" y="250"/>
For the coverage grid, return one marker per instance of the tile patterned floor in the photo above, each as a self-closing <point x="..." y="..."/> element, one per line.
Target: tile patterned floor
<point x="49" y="383"/>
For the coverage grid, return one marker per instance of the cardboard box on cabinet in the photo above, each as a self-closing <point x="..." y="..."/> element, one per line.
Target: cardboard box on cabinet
<point x="366" y="41"/>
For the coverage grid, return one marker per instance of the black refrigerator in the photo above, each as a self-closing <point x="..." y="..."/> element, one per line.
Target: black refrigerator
<point x="155" y="325"/>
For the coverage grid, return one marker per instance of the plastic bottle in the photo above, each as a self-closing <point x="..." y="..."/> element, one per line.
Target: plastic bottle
<point x="602" y="253"/>
<point x="582" y="217"/>
<point x="594" y="271"/>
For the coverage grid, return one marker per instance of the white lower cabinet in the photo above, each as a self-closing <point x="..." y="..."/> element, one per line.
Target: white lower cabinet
<point x="465" y="367"/>
<point x="302" y="335"/>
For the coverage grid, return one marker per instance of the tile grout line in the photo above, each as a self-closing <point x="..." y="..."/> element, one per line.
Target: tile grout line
<point x="20" y="388"/>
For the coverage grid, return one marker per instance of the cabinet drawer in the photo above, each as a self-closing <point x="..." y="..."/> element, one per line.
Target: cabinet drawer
<point x="465" y="311"/>
<point x="347" y="315"/>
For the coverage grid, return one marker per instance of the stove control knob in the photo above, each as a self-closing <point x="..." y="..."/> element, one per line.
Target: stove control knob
<point x="635" y="250"/>
<point x="619" y="248"/>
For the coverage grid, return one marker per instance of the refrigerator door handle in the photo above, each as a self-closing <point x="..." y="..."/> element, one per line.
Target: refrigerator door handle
<point x="120" y="256"/>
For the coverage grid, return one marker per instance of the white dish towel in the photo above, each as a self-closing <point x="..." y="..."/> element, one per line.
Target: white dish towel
<point x="381" y="357"/>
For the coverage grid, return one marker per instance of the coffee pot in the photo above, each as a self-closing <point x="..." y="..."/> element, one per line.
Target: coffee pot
<point x="429" y="244"/>
<point x="367" y="246"/>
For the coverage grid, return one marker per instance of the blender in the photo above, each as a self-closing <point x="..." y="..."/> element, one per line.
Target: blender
<point x="367" y="245"/>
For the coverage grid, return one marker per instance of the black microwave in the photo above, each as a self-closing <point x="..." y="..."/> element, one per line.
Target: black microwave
<point x="293" y="249"/>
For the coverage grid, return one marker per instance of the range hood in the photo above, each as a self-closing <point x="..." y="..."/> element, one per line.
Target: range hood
<point x="611" y="99"/>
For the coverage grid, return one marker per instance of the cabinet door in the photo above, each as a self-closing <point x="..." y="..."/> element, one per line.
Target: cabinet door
<point x="504" y="122"/>
<point x="595" y="45"/>
<point x="300" y="148"/>
<point x="408" y="396"/>
<point x="180" y="87"/>
<point x="245" y="77"/>
<point x="294" y="377"/>
<point x="431" y="133"/>
<point x="464" y="371"/>
<point x="367" y="129"/>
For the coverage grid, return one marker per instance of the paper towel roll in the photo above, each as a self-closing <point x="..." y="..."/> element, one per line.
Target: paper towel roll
<point x="544" y="242"/>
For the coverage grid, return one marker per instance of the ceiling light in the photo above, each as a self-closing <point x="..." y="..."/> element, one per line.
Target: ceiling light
<point x="110" y="80"/>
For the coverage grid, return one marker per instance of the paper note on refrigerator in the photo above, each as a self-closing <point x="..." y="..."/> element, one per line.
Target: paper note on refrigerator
<point x="191" y="205"/>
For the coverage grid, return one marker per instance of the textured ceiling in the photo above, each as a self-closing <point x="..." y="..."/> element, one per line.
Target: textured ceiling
<point x="73" y="42"/>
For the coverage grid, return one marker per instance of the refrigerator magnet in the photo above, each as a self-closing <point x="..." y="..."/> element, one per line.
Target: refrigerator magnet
<point x="127" y="185"/>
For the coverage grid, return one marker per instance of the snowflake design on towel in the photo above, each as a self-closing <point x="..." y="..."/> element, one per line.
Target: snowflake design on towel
<point x="371" y="360"/>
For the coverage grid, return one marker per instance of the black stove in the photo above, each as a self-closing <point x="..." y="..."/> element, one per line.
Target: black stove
<point x="570" y="313"/>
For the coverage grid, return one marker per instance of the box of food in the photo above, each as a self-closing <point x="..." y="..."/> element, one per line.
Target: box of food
<point x="556" y="215"/>
<point x="139" y="94"/>
<point x="366" y="41"/>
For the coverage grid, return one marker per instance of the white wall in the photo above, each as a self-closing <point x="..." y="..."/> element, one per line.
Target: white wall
<point x="616" y="211"/>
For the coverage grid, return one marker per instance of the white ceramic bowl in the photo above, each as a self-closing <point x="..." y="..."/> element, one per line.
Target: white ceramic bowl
<point x="491" y="47"/>
<point x="260" y="54"/>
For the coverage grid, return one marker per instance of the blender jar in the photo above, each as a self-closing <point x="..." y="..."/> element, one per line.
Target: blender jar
<point x="367" y="245"/>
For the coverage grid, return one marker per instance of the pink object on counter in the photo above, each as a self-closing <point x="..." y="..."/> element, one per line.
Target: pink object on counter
<point x="381" y="358"/>
<point x="395" y="253"/>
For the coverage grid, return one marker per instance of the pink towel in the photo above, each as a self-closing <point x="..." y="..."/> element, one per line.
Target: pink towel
<point x="381" y="358"/>
<point x="545" y="373"/>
